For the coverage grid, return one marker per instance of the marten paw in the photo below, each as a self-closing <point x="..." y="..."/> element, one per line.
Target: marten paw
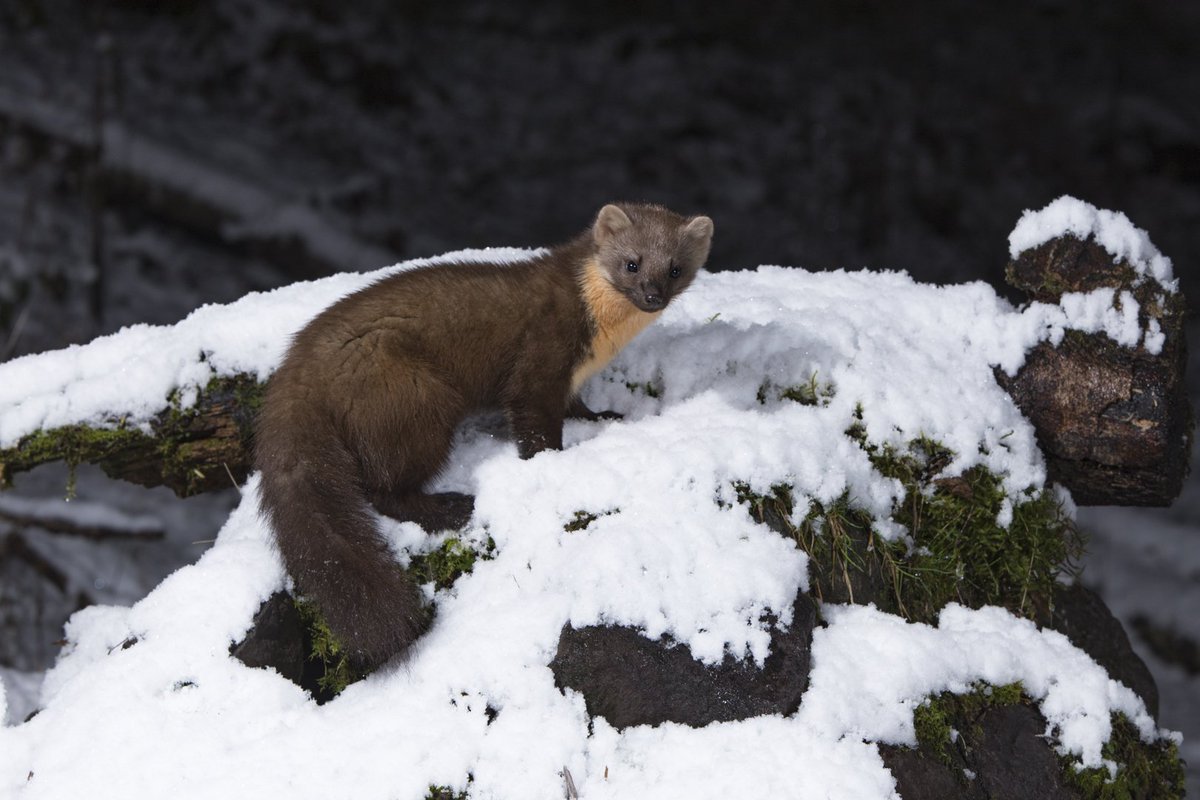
<point x="577" y="410"/>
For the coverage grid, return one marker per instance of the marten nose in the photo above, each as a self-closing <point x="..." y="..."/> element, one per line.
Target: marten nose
<point x="654" y="300"/>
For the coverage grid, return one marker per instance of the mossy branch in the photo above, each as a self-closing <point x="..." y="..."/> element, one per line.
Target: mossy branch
<point x="200" y="448"/>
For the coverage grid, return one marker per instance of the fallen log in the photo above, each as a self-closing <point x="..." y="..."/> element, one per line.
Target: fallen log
<point x="1113" y="421"/>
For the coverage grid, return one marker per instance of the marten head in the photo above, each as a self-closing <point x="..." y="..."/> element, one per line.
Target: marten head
<point x="650" y="254"/>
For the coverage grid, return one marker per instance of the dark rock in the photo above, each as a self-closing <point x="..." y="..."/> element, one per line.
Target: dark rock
<point x="1011" y="758"/>
<point x="999" y="752"/>
<point x="277" y="639"/>
<point x="631" y="680"/>
<point x="1082" y="617"/>
<point x="921" y="775"/>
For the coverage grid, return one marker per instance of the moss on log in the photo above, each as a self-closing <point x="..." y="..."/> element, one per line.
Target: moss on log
<point x="200" y="448"/>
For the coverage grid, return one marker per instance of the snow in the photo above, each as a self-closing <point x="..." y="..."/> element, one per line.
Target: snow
<point x="991" y="645"/>
<point x="147" y="700"/>
<point x="1111" y="229"/>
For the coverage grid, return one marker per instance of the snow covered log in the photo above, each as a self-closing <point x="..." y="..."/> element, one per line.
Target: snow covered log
<point x="193" y="450"/>
<point x="1106" y="394"/>
<point x="1113" y="420"/>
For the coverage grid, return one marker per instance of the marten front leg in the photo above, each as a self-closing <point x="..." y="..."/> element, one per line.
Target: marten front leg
<point x="535" y="403"/>
<point x="537" y="426"/>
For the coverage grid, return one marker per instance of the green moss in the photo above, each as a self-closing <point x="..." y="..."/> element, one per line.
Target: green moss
<point x="249" y="393"/>
<point x="1144" y="771"/>
<point x="939" y="716"/>
<point x="931" y="720"/>
<point x="958" y="550"/>
<point x="443" y="566"/>
<point x="648" y="388"/>
<point x="1007" y="695"/>
<point x="582" y="519"/>
<point x="180" y="439"/>
<point x="337" y="671"/>
<point x="73" y="444"/>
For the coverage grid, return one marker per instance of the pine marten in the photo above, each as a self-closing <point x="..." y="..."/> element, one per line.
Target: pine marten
<point x="361" y="413"/>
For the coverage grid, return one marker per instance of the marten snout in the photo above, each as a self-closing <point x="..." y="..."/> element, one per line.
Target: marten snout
<point x="652" y="296"/>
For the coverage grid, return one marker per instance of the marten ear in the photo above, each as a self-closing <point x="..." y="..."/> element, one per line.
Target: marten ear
<point x="696" y="239"/>
<point x="610" y="221"/>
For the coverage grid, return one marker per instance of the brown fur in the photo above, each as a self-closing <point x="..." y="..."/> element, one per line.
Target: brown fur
<point x="362" y="411"/>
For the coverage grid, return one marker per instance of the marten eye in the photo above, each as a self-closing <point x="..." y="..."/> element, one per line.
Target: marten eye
<point x="675" y="271"/>
<point x="631" y="266"/>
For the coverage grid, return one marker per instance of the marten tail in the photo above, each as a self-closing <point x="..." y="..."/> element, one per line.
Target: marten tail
<point x="310" y="492"/>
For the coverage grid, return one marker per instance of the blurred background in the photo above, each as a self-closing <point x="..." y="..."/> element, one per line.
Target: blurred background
<point x="155" y="156"/>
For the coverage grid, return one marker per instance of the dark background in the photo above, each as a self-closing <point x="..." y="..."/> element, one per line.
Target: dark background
<point x="158" y="155"/>
<point x="835" y="134"/>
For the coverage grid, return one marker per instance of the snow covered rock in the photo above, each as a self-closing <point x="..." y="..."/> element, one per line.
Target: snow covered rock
<point x="1109" y="400"/>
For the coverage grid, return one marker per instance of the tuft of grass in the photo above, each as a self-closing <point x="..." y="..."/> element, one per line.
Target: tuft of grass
<point x="812" y="393"/>
<point x="444" y="793"/>
<point x="962" y="553"/>
<point x="1144" y="771"/>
